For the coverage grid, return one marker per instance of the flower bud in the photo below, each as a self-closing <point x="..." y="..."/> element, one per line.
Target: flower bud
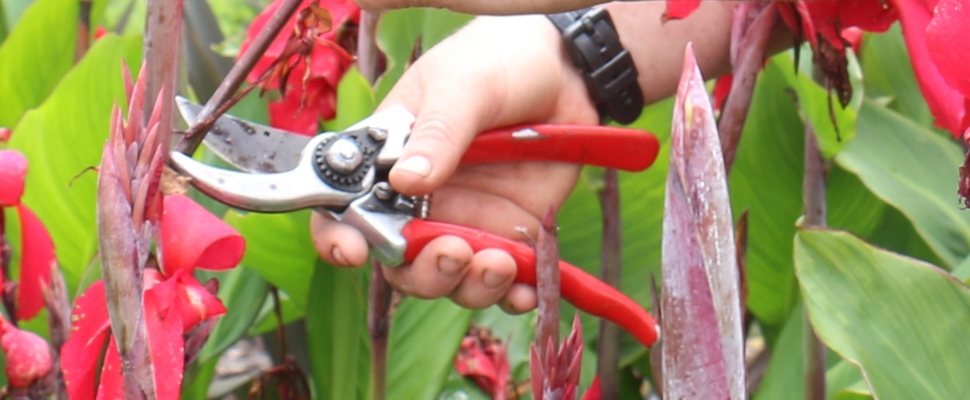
<point x="28" y="356"/>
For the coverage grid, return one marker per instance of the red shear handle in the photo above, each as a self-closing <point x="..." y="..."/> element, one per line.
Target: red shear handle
<point x="579" y="288"/>
<point x="604" y="146"/>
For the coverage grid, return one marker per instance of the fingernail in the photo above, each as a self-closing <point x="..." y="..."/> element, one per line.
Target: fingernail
<point x="449" y="267"/>
<point x="493" y="280"/>
<point x="418" y="165"/>
<point x="338" y="256"/>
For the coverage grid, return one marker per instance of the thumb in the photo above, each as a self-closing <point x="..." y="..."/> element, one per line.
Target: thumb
<point x="446" y="123"/>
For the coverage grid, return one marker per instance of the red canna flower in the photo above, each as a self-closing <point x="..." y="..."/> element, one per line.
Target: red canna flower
<point x="304" y="62"/>
<point x="174" y="302"/>
<point x="823" y="22"/>
<point x="36" y="245"/>
<point x="483" y="358"/>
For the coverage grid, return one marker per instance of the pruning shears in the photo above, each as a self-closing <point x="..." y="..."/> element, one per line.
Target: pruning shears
<point x="344" y="174"/>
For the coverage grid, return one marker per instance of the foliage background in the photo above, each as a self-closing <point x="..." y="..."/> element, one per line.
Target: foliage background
<point x="900" y="316"/>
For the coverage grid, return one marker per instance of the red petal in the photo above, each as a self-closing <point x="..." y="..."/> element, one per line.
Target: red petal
<point x="679" y="9"/>
<point x="948" y="105"/>
<point x="165" y="342"/>
<point x="112" y="384"/>
<point x="341" y="11"/>
<point x="193" y="237"/>
<point x="951" y="56"/>
<point x="721" y="89"/>
<point x="594" y="392"/>
<point x="28" y="356"/>
<point x="89" y="331"/>
<point x="196" y="303"/>
<point x="13" y="170"/>
<point x="36" y="260"/>
<point x="287" y="113"/>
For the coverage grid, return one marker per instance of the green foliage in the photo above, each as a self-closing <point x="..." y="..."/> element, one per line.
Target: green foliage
<point x="891" y="182"/>
<point x="63" y="138"/>
<point x="903" y="321"/>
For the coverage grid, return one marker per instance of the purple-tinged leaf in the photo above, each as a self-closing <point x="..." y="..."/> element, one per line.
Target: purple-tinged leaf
<point x="702" y="351"/>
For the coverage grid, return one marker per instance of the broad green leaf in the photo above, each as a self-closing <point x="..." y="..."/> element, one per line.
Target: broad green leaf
<point x="818" y="106"/>
<point x="784" y="377"/>
<point x="845" y="381"/>
<point x="63" y="138"/>
<point x="337" y="325"/>
<point x="198" y="378"/>
<point x="767" y="181"/>
<point x="424" y="340"/>
<point x="904" y="322"/>
<point x="888" y="72"/>
<point x="356" y="100"/>
<point x="36" y="54"/>
<point x="914" y="170"/>
<point x="278" y="247"/>
<point x="399" y="32"/>
<point x="243" y="292"/>
<point x="12" y="10"/>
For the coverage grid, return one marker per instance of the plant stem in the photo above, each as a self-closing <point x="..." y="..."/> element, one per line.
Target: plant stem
<point x="217" y="104"/>
<point x="547" y="285"/>
<point x="608" y="343"/>
<point x="367" y="45"/>
<point x="83" y="29"/>
<point x="163" y="28"/>
<point x="379" y="327"/>
<point x="813" y="196"/>
<point x="747" y="63"/>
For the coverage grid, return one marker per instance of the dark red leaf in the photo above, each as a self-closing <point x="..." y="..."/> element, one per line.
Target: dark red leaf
<point x="193" y="237"/>
<point x="13" y="171"/>
<point x="702" y="349"/>
<point x="36" y="260"/>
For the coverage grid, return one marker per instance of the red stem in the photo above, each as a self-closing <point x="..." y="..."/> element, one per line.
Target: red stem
<point x="813" y="195"/>
<point x="547" y="284"/>
<point x="750" y="57"/>
<point x="217" y="104"/>
<point x="608" y="343"/>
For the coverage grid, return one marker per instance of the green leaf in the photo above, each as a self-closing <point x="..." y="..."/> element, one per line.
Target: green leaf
<point x="914" y="170"/>
<point x="38" y="52"/>
<point x="400" y="30"/>
<point x="278" y="247"/>
<point x="13" y="10"/>
<point x="356" y="100"/>
<point x="901" y="320"/>
<point x="339" y="349"/>
<point x="819" y="107"/>
<point x="63" y="138"/>
<point x="243" y="292"/>
<point x="888" y="72"/>
<point x="424" y="340"/>
<point x="767" y="181"/>
<point x="784" y="377"/>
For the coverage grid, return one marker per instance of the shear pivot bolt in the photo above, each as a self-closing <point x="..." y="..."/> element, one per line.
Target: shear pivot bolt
<point x="377" y="134"/>
<point x="344" y="156"/>
<point x="383" y="191"/>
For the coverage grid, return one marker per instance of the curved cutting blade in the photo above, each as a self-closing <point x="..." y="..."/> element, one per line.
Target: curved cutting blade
<point x="246" y="145"/>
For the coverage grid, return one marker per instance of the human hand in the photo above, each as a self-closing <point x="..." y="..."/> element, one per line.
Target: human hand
<point x="495" y="72"/>
<point x="494" y="7"/>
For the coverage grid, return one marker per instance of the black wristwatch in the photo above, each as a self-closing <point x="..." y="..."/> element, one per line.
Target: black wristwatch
<point x="594" y="46"/>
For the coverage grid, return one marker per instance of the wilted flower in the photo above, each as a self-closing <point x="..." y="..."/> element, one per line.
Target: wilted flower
<point x="305" y="62"/>
<point x="483" y="358"/>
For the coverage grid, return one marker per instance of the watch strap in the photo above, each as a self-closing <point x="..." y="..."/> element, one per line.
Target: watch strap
<point x="594" y="46"/>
